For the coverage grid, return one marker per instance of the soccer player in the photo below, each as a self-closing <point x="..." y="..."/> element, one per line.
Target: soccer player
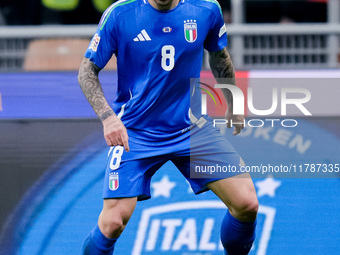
<point x="159" y="46"/>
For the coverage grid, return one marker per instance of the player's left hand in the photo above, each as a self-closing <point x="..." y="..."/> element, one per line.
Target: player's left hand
<point x="234" y="120"/>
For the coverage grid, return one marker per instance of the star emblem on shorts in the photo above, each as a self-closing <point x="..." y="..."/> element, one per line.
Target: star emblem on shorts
<point x="163" y="187"/>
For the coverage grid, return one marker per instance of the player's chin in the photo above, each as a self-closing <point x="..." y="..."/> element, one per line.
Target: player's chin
<point x="163" y="2"/>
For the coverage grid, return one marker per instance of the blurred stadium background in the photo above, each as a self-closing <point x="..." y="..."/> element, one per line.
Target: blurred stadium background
<point x="52" y="153"/>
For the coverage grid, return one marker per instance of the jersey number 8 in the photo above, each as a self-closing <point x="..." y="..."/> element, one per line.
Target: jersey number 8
<point x="168" y="57"/>
<point x="116" y="157"/>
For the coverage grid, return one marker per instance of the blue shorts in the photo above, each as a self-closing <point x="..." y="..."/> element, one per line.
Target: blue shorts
<point x="200" y="155"/>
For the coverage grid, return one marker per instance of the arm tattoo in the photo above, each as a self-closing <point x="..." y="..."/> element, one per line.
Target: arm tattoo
<point x="222" y="68"/>
<point x="92" y="89"/>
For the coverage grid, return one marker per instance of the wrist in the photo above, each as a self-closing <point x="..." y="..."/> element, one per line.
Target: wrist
<point x="105" y="115"/>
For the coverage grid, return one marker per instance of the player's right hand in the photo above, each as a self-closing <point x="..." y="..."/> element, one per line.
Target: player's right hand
<point x="115" y="132"/>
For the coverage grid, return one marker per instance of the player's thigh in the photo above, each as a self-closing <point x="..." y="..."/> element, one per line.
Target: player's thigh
<point x="121" y="207"/>
<point x="214" y="157"/>
<point x="239" y="195"/>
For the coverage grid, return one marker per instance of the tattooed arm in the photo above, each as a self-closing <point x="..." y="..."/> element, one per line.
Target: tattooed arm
<point x="92" y="89"/>
<point x="115" y="132"/>
<point x="222" y="68"/>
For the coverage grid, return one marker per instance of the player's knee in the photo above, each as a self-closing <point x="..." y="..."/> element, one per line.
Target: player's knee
<point x="251" y="209"/>
<point x="246" y="210"/>
<point x="111" y="227"/>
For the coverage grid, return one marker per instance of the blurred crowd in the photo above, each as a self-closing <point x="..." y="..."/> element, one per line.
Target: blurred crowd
<point x="40" y="12"/>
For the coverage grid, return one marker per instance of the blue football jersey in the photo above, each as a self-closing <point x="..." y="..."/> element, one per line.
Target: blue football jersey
<point x="158" y="52"/>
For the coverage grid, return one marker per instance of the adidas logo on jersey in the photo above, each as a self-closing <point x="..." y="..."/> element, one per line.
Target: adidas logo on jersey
<point x="142" y="36"/>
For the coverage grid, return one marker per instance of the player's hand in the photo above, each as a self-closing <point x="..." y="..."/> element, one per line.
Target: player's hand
<point x="115" y="132"/>
<point x="234" y="120"/>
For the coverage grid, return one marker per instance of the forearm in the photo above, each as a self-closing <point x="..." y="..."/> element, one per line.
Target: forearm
<point x="89" y="82"/>
<point x="222" y="68"/>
